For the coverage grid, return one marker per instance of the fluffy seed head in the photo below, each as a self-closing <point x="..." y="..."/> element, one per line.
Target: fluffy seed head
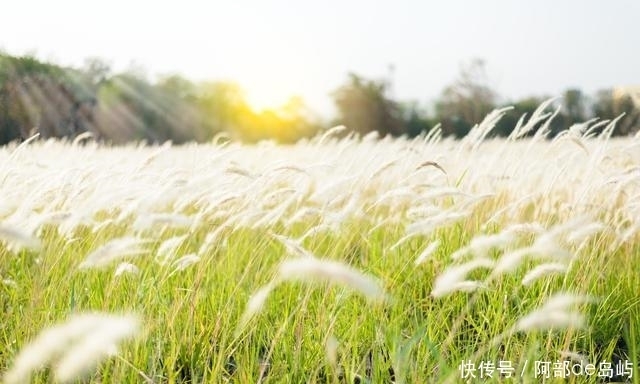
<point x="73" y="347"/>
<point x="17" y="239"/>
<point x="427" y="252"/>
<point x="312" y="269"/>
<point x="113" y="250"/>
<point x="543" y="270"/>
<point x="453" y="279"/>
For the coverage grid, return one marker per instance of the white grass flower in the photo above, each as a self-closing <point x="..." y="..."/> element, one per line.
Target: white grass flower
<point x="544" y="247"/>
<point x="480" y="245"/>
<point x="453" y="278"/>
<point x="463" y="286"/>
<point x="543" y="270"/>
<point x="509" y="261"/>
<point x="168" y="248"/>
<point x="171" y="220"/>
<point x="402" y="240"/>
<point x="84" y="355"/>
<point x="547" y="246"/>
<point x="256" y="303"/>
<point x="114" y="250"/>
<point x="60" y="343"/>
<point x="547" y="320"/>
<point x="331" y="350"/>
<point x="210" y="239"/>
<point x="575" y="357"/>
<point x="556" y="313"/>
<point x="126" y="268"/>
<point x="17" y="240"/>
<point x="312" y="269"/>
<point x="185" y="261"/>
<point x="427" y="252"/>
<point x="425" y="227"/>
<point x="293" y="246"/>
<point x="579" y="235"/>
<point x="525" y="228"/>
<point x="566" y="300"/>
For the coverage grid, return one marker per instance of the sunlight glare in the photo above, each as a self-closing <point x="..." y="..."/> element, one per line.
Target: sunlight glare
<point x="267" y="99"/>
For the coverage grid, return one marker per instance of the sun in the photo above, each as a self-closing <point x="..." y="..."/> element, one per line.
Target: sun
<point x="261" y="100"/>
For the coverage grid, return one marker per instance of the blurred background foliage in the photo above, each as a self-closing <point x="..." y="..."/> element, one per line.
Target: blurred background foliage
<point x="39" y="97"/>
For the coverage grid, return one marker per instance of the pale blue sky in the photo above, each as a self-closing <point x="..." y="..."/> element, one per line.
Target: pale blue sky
<point x="277" y="48"/>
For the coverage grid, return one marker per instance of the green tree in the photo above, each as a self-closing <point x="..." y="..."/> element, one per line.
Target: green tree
<point x="575" y="106"/>
<point x="467" y="100"/>
<point x="223" y="107"/>
<point x="44" y="98"/>
<point x="365" y="106"/>
<point x="609" y="106"/>
<point x="416" y="119"/>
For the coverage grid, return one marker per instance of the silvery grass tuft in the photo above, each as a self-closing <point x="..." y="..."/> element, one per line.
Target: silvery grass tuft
<point x="558" y="312"/>
<point x="331" y="350"/>
<point x="311" y="269"/>
<point x="453" y="278"/>
<point x="126" y="269"/>
<point x="256" y="303"/>
<point x="543" y="270"/>
<point x="114" y="250"/>
<point x="17" y="240"/>
<point x="73" y="348"/>
<point x="427" y="252"/>
<point x="185" y="262"/>
<point x="480" y="245"/>
<point x="168" y="248"/>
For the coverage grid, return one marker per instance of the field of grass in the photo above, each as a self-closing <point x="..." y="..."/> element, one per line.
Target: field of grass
<point x="335" y="260"/>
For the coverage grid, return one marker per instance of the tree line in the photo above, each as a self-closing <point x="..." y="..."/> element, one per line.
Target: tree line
<point x="44" y="98"/>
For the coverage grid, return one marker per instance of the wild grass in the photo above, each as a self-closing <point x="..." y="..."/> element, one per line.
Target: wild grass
<point x="482" y="250"/>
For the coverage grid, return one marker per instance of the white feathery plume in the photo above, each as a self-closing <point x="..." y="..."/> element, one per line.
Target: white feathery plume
<point x="546" y="320"/>
<point x="331" y="350"/>
<point x="427" y="226"/>
<point x="185" y="261"/>
<point x="293" y="247"/>
<point x="314" y="231"/>
<point x="525" y="228"/>
<point x="256" y="303"/>
<point x="427" y="252"/>
<point x="83" y="356"/>
<point x="52" y="343"/>
<point x="579" y="235"/>
<point x="543" y="270"/>
<point x="453" y="278"/>
<point x="480" y="245"/>
<point x="556" y="313"/>
<point x="402" y="240"/>
<point x="17" y="240"/>
<point x="126" y="268"/>
<point x="509" y="261"/>
<point x="113" y="250"/>
<point x="210" y="239"/>
<point x="575" y="356"/>
<point x="173" y="220"/>
<point x="544" y="247"/>
<point x="312" y="269"/>
<point x="168" y="248"/>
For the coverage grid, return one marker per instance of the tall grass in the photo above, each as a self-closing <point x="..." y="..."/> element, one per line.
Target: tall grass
<point x="420" y="256"/>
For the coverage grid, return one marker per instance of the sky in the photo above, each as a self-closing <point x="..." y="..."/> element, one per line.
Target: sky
<point x="276" y="49"/>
